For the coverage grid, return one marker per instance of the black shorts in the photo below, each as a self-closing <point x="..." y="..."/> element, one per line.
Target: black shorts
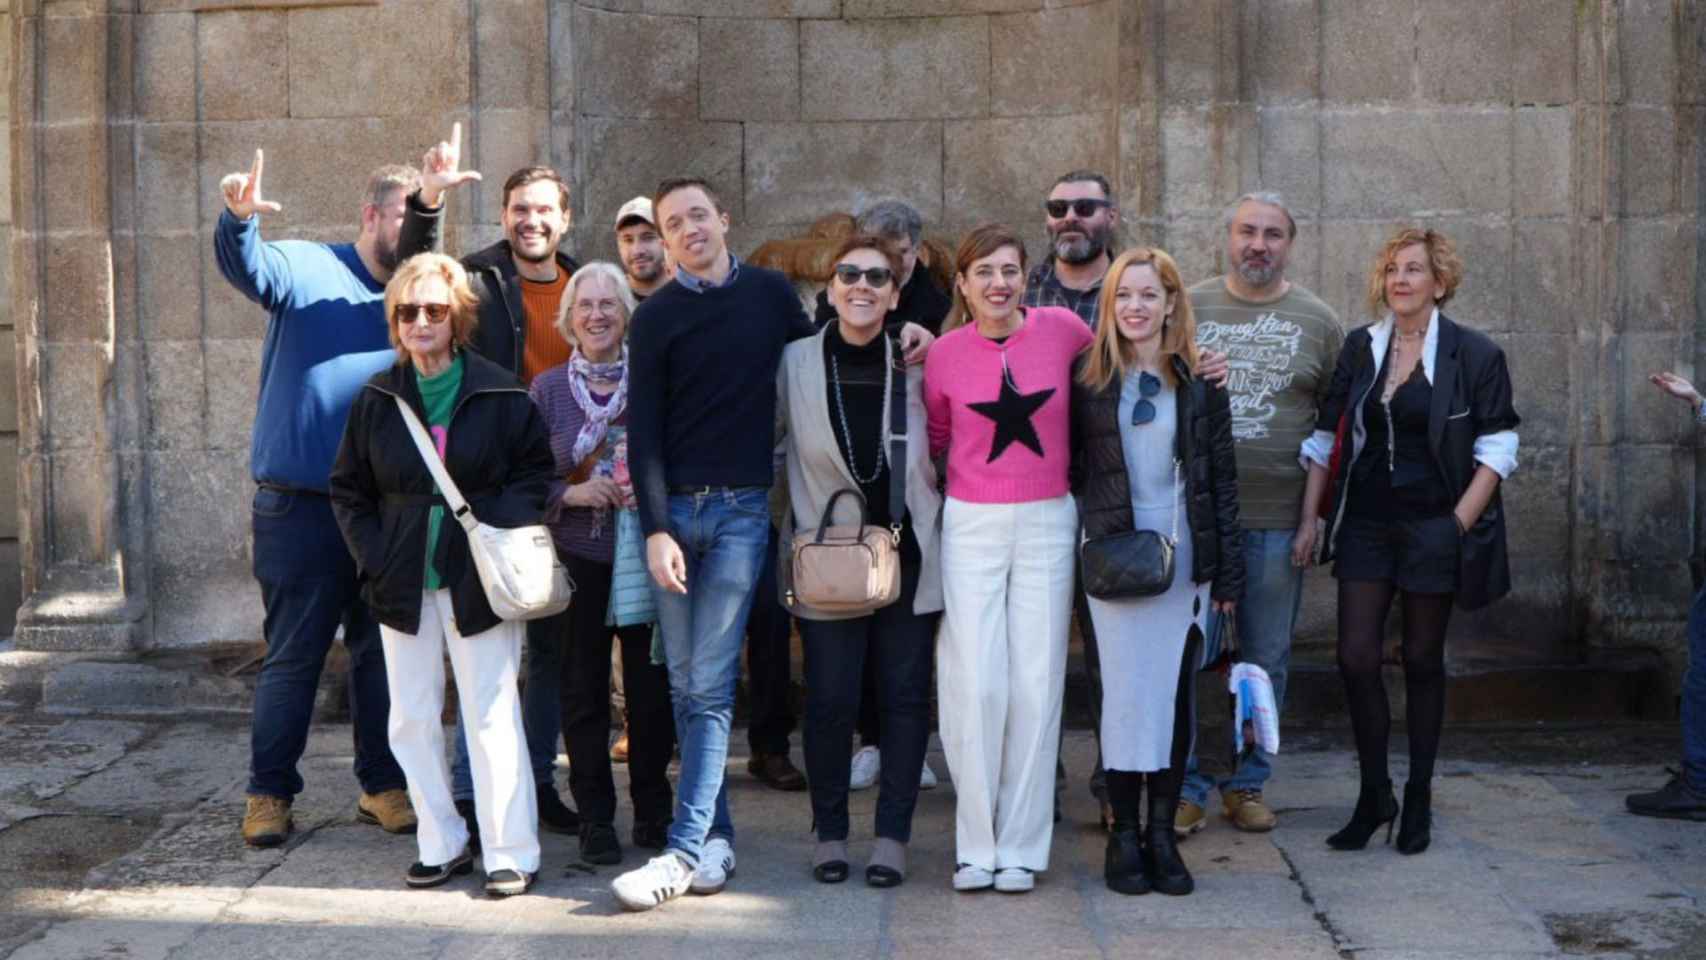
<point x="1418" y="554"/>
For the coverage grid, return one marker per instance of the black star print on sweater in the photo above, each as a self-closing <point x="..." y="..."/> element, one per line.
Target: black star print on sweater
<point x="1011" y="412"/>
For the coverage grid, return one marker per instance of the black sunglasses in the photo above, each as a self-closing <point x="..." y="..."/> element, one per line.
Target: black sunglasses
<point x="877" y="277"/>
<point x="405" y="313"/>
<point x="1083" y="206"/>
<point x="1148" y="385"/>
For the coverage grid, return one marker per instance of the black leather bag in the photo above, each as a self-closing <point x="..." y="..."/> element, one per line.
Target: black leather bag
<point x="1131" y="564"/>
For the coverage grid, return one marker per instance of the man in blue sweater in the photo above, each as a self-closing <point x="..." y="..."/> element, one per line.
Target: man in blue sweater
<point x="326" y="335"/>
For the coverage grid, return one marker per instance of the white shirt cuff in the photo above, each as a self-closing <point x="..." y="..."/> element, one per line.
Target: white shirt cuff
<point x="1498" y="451"/>
<point x="1317" y="449"/>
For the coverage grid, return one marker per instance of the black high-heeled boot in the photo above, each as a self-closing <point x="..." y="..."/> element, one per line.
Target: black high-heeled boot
<point x="1122" y="867"/>
<point x="1167" y="871"/>
<point x="1375" y="806"/>
<point x="1415" y="830"/>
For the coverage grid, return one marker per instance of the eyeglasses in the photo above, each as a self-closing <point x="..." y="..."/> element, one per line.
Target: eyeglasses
<point x="405" y="313"/>
<point x="1148" y="385"/>
<point x="877" y="277"/>
<point x="1083" y="206"/>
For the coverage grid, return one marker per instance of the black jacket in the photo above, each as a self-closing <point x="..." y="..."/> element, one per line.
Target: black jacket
<point x="1203" y="444"/>
<point x="496" y="450"/>
<point x="921" y="302"/>
<point x="1471" y="398"/>
<point x="501" y="335"/>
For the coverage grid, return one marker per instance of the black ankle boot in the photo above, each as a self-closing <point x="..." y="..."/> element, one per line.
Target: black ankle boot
<point x="1375" y="806"/>
<point x="1416" y="830"/>
<point x="1122" y="866"/>
<point x="1167" y="871"/>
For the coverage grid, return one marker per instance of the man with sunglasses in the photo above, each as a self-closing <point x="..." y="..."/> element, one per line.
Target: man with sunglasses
<point x="1283" y="342"/>
<point x="1082" y="222"/>
<point x="326" y="334"/>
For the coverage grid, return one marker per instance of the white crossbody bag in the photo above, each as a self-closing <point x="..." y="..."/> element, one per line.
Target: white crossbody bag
<point x="519" y="568"/>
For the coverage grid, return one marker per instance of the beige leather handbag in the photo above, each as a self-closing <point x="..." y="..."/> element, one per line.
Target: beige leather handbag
<point x="850" y="568"/>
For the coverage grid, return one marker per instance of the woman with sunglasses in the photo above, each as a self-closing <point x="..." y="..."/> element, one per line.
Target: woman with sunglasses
<point x="834" y="395"/>
<point x="996" y="389"/>
<point x="1152" y="448"/>
<point x="419" y="578"/>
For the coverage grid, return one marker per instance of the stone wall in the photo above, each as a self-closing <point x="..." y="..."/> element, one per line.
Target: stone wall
<point x="1558" y="140"/>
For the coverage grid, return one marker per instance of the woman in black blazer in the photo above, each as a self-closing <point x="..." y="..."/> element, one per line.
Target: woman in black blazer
<point x="1415" y="436"/>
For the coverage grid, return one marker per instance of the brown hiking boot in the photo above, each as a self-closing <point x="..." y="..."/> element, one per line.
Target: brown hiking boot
<point x="619" y="750"/>
<point x="1247" y="811"/>
<point x="1188" y="819"/>
<point x="266" y="820"/>
<point x="388" y="808"/>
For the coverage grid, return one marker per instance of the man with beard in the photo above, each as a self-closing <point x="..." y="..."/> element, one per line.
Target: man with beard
<point x="1283" y="343"/>
<point x="640" y="248"/>
<point x="1082" y="224"/>
<point x="519" y="281"/>
<point x="326" y="335"/>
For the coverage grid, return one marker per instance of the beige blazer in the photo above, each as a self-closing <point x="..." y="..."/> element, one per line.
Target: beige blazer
<point x="816" y="469"/>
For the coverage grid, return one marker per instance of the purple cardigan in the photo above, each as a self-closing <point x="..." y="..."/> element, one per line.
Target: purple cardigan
<point x="580" y="531"/>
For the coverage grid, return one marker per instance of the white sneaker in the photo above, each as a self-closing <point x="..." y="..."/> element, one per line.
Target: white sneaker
<point x="662" y="879"/>
<point x="1015" y="880"/>
<point x="867" y="764"/>
<point x="716" y="866"/>
<point x="968" y="878"/>
<point x="926" y="777"/>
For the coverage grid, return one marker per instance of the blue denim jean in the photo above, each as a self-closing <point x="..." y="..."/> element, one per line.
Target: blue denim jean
<point x="1273" y="589"/>
<point x="308" y="588"/>
<point x="1694" y="698"/>
<point x="723" y="532"/>
<point x="541" y="714"/>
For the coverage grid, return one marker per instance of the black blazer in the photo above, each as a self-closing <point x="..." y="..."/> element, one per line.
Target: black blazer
<point x="1471" y="398"/>
<point x="1203" y="444"/>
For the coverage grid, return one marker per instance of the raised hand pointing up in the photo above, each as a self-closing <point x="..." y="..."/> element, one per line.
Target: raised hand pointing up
<point x="243" y="192"/>
<point x="441" y="169"/>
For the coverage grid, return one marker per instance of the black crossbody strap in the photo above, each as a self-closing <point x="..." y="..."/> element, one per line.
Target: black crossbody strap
<point x="897" y="436"/>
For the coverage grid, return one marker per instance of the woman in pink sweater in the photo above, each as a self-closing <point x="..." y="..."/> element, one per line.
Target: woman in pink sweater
<point x="996" y="389"/>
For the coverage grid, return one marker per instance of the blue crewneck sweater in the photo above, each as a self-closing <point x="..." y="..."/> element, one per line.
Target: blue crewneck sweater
<point x="326" y="335"/>
<point x="702" y="386"/>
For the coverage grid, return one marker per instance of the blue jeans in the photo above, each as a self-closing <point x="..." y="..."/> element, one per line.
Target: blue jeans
<point x="308" y="588"/>
<point x="723" y="532"/>
<point x="1694" y="698"/>
<point x="1273" y="589"/>
<point x="541" y="716"/>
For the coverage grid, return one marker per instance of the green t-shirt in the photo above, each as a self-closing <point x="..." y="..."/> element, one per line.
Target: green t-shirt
<point x="438" y="393"/>
<point x="1282" y="354"/>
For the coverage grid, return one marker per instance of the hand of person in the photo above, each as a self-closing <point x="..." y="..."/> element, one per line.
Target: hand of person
<point x="915" y="341"/>
<point x="1676" y="387"/>
<point x="1213" y="367"/>
<point x="595" y="492"/>
<point x="242" y="192"/>
<point x="1463" y="525"/>
<point x="1225" y="607"/>
<point x="441" y="169"/>
<point x="666" y="562"/>
<point x="1303" y="545"/>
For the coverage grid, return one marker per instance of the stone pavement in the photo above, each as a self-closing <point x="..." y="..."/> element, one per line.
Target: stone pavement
<point x="118" y="839"/>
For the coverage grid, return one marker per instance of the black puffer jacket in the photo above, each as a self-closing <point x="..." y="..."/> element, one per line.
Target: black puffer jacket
<point x="496" y="450"/>
<point x="1203" y="443"/>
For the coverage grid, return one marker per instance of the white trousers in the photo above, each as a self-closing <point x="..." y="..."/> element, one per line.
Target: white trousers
<point x="486" y="665"/>
<point x="1001" y="670"/>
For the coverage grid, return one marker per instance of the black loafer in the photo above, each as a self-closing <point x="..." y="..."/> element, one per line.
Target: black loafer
<point x="652" y="834"/>
<point x="599" y="844"/>
<point x="831" y="871"/>
<point x="554" y="814"/>
<point x="877" y="875"/>
<point x="422" y="876"/>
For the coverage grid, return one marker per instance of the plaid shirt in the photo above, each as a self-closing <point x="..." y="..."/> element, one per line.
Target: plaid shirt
<point x="1043" y="289"/>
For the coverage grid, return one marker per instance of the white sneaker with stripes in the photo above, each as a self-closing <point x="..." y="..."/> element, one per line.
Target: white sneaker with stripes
<point x="662" y="879"/>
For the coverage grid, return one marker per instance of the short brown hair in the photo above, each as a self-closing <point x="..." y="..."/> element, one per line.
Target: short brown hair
<point x="464" y="304"/>
<point x="1110" y="353"/>
<point x="980" y="243"/>
<point x="527" y="175"/>
<point x="387" y="180"/>
<point x="669" y="185"/>
<point x="1447" y="266"/>
<point x="869" y="241"/>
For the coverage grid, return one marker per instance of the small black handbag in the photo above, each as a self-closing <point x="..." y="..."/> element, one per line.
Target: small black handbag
<point x="1131" y="564"/>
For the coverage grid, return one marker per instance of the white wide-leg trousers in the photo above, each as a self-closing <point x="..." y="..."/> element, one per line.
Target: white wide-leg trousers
<point x="1001" y="669"/>
<point x="486" y="665"/>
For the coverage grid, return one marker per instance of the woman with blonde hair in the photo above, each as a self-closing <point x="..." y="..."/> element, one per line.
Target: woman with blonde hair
<point x="418" y="576"/>
<point x="1152" y="451"/>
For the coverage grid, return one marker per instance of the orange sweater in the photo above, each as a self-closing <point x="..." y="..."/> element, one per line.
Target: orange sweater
<point x="545" y="347"/>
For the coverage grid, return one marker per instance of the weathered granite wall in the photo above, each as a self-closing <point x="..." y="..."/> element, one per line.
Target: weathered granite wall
<point x="1559" y="140"/>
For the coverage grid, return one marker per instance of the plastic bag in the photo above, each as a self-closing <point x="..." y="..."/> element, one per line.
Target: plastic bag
<point x="1255" y="717"/>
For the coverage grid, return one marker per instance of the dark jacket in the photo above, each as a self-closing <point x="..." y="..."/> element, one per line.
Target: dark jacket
<point x="496" y="450"/>
<point x="921" y="302"/>
<point x="1203" y="444"/>
<point x="1471" y="398"/>
<point x="501" y="335"/>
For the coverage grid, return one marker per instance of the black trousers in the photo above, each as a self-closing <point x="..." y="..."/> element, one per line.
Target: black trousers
<point x="586" y="703"/>
<point x="769" y="667"/>
<point x="900" y="647"/>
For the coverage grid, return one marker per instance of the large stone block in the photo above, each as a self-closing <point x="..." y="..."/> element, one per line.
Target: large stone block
<point x="1540" y="366"/>
<point x="168" y="271"/>
<point x="165" y="90"/>
<point x="1347" y="259"/>
<point x="861" y="9"/>
<point x="620" y="159"/>
<point x="336" y="70"/>
<point x="1209" y="156"/>
<point x="759" y="9"/>
<point x="1655" y="275"/>
<point x="1543" y="56"/>
<point x="1367" y="52"/>
<point x="77" y="312"/>
<point x="1647" y="161"/>
<point x="894" y="69"/>
<point x="1465" y="51"/>
<point x="1286" y="62"/>
<point x="1537" y="524"/>
<point x="11" y="575"/>
<point x="1545" y="288"/>
<point x="73" y="69"/>
<point x="1483" y="300"/>
<point x="505" y="141"/>
<point x="512" y="52"/>
<point x="1544" y="145"/>
<point x="797" y="172"/>
<point x="8" y="394"/>
<point x="749" y="69"/>
<point x="80" y="523"/>
<point x="1054" y="61"/>
<point x="243" y="58"/>
<point x="1291" y="157"/>
<point x="1645" y="414"/>
<point x="1139" y="178"/>
<point x="233" y="373"/>
<point x="177" y="393"/>
<point x="199" y="506"/>
<point x="69" y="202"/>
<point x="1647" y="46"/>
<point x="1641" y="490"/>
<point x="77" y="386"/>
<point x="1397" y="164"/>
<point x="1003" y="167"/>
<point x="635" y="65"/>
<point x="165" y="196"/>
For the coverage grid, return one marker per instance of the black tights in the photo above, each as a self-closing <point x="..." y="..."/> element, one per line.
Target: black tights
<point x="1362" y="634"/>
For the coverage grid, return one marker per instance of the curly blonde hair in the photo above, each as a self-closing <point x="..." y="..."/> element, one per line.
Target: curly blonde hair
<point x="464" y="303"/>
<point x="1447" y="266"/>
